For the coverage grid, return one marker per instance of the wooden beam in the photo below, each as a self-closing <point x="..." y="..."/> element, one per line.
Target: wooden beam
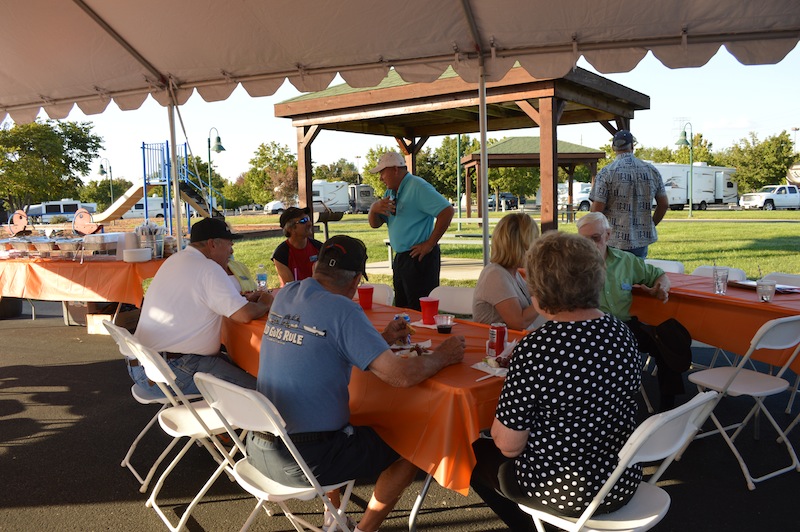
<point x="549" y="168"/>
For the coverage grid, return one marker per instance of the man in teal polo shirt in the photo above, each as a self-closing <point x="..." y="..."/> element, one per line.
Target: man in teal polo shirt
<point x="417" y="216"/>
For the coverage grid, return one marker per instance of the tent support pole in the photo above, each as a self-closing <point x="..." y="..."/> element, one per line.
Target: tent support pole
<point x="176" y="191"/>
<point x="484" y="166"/>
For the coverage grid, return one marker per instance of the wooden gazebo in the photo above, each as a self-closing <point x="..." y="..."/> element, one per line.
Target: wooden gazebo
<point x="523" y="152"/>
<point x="414" y="112"/>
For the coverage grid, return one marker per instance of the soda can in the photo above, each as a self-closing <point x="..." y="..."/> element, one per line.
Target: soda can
<point x="406" y="317"/>
<point x="497" y="338"/>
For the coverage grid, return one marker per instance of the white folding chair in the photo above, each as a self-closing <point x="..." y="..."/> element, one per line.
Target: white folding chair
<point x="180" y="419"/>
<point x="789" y="279"/>
<point x="383" y="294"/>
<point x="454" y="299"/>
<point x="669" y="266"/>
<point x="251" y="411"/>
<point x="659" y="437"/>
<point x="734" y="274"/>
<point x="145" y="397"/>
<point x="781" y="333"/>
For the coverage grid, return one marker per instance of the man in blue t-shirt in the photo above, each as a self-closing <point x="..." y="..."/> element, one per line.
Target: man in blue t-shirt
<point x="315" y="334"/>
<point x="417" y="216"/>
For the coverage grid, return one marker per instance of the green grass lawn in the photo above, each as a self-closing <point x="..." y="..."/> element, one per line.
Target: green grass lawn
<point x="742" y="239"/>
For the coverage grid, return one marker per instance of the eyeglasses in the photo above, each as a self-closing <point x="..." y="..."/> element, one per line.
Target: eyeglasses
<point x="303" y="220"/>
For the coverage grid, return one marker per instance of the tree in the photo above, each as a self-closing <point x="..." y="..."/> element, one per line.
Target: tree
<point x="341" y="170"/>
<point x="656" y="155"/>
<point x="100" y="192"/>
<point x="760" y="163"/>
<point x="236" y="192"/>
<point x="273" y="163"/>
<point x="701" y="152"/>
<point x="44" y="161"/>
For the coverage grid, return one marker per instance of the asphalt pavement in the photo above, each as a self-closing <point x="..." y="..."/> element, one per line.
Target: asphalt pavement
<point x="67" y="419"/>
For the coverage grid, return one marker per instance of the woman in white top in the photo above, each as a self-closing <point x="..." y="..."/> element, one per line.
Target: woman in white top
<point x="501" y="294"/>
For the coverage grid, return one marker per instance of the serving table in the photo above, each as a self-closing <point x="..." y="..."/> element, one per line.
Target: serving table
<point x="432" y="424"/>
<point x="67" y="280"/>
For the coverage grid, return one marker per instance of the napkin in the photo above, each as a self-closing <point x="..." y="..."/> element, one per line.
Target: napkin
<point x="419" y="323"/>
<point x="486" y="368"/>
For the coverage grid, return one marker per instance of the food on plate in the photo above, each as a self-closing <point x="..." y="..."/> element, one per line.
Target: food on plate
<point x="413" y="350"/>
<point x="411" y="330"/>
<point x="498" y="362"/>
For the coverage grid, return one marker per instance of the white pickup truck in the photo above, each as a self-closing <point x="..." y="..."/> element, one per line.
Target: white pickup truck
<point x="772" y="197"/>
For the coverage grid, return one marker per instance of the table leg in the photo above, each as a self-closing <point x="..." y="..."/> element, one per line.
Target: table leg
<point x="412" y="518"/>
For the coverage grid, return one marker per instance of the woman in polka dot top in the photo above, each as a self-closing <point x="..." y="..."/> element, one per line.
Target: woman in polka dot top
<point x="568" y="402"/>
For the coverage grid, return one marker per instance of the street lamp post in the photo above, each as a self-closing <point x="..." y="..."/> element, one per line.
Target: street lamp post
<point x="682" y="141"/>
<point x="794" y="142"/>
<point x="217" y="147"/>
<point x="103" y="172"/>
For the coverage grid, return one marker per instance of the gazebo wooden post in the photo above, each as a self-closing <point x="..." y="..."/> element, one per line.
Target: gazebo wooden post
<point x="305" y="173"/>
<point x="548" y="163"/>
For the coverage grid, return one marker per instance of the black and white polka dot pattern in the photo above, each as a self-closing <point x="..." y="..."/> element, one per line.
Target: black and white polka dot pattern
<point x="573" y="385"/>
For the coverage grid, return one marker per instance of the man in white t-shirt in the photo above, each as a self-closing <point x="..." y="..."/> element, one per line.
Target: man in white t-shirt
<point x="182" y="313"/>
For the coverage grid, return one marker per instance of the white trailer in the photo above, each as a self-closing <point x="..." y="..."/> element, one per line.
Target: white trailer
<point x="710" y="185"/>
<point x="333" y="194"/>
<point x="361" y="197"/>
<point x="66" y="208"/>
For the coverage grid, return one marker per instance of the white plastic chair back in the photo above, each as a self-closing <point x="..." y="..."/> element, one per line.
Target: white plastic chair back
<point x="669" y="266"/>
<point x="250" y="410"/>
<point x="734" y="274"/>
<point x="789" y="279"/>
<point x="383" y="294"/>
<point x="659" y="437"/>
<point x="454" y="299"/>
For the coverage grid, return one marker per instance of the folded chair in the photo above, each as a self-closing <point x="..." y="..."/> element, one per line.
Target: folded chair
<point x="143" y="396"/>
<point x="659" y="437"/>
<point x="781" y="333"/>
<point x="251" y="411"/>
<point x="669" y="266"/>
<point x="180" y="419"/>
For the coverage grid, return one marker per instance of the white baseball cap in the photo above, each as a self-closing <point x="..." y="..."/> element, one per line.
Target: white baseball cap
<point x="388" y="159"/>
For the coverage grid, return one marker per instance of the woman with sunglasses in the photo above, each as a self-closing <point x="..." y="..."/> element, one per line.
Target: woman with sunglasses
<point x="295" y="257"/>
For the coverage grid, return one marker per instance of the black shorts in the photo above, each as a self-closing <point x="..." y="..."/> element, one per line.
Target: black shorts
<point x="341" y="457"/>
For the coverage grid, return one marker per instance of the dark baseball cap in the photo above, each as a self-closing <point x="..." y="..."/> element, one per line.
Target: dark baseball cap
<point x="209" y="228"/>
<point x="623" y="138"/>
<point x="292" y="213"/>
<point x="344" y="252"/>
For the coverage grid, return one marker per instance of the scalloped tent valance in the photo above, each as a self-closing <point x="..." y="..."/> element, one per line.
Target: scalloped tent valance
<point x="89" y="52"/>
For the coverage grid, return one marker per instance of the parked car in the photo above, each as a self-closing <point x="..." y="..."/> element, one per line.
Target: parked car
<point x="508" y="198"/>
<point x="274" y="207"/>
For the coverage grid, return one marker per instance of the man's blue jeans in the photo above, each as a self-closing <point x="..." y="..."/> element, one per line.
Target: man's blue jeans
<point x="639" y="252"/>
<point x="186" y="366"/>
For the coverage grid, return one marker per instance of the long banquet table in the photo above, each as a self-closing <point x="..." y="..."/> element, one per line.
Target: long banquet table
<point x="432" y="424"/>
<point x="727" y="321"/>
<point x="66" y="280"/>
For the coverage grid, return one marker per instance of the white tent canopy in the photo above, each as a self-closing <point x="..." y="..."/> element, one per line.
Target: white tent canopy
<point x="59" y="53"/>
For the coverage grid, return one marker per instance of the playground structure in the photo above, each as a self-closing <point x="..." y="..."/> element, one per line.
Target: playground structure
<point x="202" y="197"/>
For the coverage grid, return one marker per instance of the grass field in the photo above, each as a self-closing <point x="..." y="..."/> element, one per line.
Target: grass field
<point x="747" y="240"/>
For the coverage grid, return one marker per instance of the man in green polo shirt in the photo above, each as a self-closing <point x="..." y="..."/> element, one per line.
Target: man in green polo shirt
<point x="624" y="272"/>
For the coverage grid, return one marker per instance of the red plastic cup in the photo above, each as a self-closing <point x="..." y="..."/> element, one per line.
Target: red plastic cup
<point x="365" y="296"/>
<point x="430" y="307"/>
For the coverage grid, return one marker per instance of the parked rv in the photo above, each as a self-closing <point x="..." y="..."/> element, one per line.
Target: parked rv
<point x="47" y="210"/>
<point x="155" y="208"/>
<point x="361" y="197"/>
<point x="332" y="194"/>
<point x="711" y="185"/>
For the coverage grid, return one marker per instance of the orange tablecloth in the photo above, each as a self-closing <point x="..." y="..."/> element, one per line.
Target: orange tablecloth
<point x="728" y="321"/>
<point x="432" y="424"/>
<point x="65" y="280"/>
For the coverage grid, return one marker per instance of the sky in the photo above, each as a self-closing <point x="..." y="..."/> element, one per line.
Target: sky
<point x="724" y="100"/>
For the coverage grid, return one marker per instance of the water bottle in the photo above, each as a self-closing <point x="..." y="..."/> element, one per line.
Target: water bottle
<point x="261" y="278"/>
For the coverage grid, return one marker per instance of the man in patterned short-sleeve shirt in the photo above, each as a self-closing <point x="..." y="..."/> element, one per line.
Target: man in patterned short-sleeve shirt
<point x="624" y="191"/>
